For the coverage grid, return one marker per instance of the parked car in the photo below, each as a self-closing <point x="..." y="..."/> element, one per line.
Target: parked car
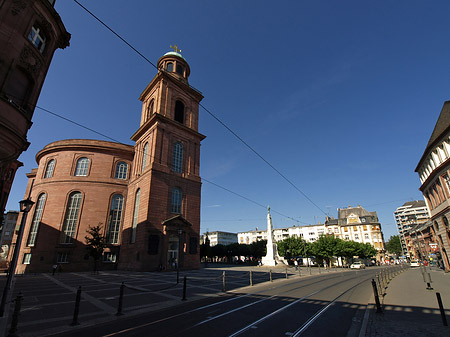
<point x="357" y="265"/>
<point x="415" y="264"/>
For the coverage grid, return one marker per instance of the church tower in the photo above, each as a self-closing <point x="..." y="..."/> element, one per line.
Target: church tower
<point x="162" y="217"/>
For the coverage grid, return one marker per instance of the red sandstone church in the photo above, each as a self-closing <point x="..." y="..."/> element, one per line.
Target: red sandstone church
<point x="146" y="197"/>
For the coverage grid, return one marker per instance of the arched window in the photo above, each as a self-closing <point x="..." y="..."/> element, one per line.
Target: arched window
<point x="151" y="106"/>
<point x="37" y="38"/>
<point x="179" y="112"/>
<point x="135" y="216"/>
<point x="444" y="219"/>
<point x="177" y="198"/>
<point x="36" y="219"/>
<point x="144" y="157"/>
<point x="121" y="170"/>
<point x="82" y="167"/>
<point x="115" y="217"/>
<point x="180" y="69"/>
<point x="49" y="169"/>
<point x="177" y="160"/>
<point x="71" y="217"/>
<point x="169" y="66"/>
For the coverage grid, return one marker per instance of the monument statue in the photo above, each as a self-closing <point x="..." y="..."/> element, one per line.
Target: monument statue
<point x="272" y="258"/>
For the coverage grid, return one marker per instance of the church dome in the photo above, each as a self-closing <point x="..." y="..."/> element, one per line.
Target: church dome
<point x="173" y="62"/>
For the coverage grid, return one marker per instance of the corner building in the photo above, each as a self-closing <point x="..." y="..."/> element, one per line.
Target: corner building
<point x="146" y="198"/>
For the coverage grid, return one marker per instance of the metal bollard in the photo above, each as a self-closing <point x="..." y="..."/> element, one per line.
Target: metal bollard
<point x="429" y="287"/>
<point x="223" y="282"/>
<point x="375" y="294"/>
<point x="251" y="278"/>
<point x="15" y="317"/>
<point x="270" y="275"/>
<point x="119" y="309"/>
<point x="77" y="308"/>
<point x="286" y="274"/>
<point x="299" y="272"/>
<point x="310" y="271"/>
<point x="178" y="276"/>
<point x="184" y="288"/>
<point x="319" y="268"/>
<point x="441" y="309"/>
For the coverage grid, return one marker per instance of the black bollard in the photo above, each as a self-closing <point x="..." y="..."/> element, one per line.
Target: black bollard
<point x="270" y="275"/>
<point x="441" y="309"/>
<point x="429" y="287"/>
<point x="286" y="274"/>
<point x="178" y="276"/>
<point x="15" y="317"/>
<point x="251" y="278"/>
<point x="375" y="294"/>
<point x="223" y="282"/>
<point x="184" y="288"/>
<point x="119" y="309"/>
<point x="77" y="308"/>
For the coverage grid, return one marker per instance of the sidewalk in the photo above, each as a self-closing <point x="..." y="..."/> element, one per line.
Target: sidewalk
<point x="409" y="309"/>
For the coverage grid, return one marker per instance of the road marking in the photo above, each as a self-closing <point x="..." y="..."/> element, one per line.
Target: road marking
<point x="174" y="316"/>
<point x="99" y="304"/>
<point x="272" y="314"/>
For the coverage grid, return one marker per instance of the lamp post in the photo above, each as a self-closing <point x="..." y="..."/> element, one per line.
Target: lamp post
<point x="25" y="207"/>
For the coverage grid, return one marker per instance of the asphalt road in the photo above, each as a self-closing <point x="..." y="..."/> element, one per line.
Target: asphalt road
<point x="330" y="304"/>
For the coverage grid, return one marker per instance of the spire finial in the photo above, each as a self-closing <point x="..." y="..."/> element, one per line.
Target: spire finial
<point x="175" y="49"/>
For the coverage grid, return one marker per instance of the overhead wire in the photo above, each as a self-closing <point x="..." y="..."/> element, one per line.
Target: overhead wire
<point x="209" y="112"/>
<point x="149" y="155"/>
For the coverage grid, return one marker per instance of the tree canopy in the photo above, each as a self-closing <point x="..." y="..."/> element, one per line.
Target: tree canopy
<point x="394" y="246"/>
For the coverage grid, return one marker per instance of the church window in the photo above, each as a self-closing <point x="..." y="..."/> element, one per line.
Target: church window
<point x="109" y="257"/>
<point x="177" y="160"/>
<point x="18" y="88"/>
<point x="144" y="157"/>
<point x="177" y="198"/>
<point x="121" y="170"/>
<point x="71" y="217"/>
<point x="150" y="108"/>
<point x="49" y="169"/>
<point x="82" y="167"/>
<point x="36" y="219"/>
<point x="135" y="216"/>
<point x="169" y="66"/>
<point x="179" y="112"/>
<point x="115" y="217"/>
<point x="153" y="244"/>
<point x="37" y="38"/>
<point x="180" y="69"/>
<point x="27" y="258"/>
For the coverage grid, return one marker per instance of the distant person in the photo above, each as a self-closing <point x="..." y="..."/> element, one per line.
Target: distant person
<point x="296" y="264"/>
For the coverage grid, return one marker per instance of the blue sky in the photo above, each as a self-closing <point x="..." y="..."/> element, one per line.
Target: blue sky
<point x="340" y="96"/>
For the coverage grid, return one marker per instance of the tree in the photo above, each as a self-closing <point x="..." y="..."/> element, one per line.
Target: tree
<point x="394" y="245"/>
<point x="294" y="246"/>
<point x="325" y="247"/>
<point x="258" y="249"/>
<point x="95" y="243"/>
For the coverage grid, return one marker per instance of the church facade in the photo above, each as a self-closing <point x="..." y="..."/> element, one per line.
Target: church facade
<point x="145" y="198"/>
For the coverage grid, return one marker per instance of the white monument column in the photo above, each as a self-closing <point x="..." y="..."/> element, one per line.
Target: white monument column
<point x="272" y="258"/>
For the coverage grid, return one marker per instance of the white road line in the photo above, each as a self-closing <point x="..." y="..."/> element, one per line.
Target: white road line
<point x="99" y="304"/>
<point x="272" y="314"/>
<point x="174" y="316"/>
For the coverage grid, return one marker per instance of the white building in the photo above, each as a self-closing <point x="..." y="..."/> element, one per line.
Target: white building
<point x="219" y="238"/>
<point x="408" y="215"/>
<point x="354" y="223"/>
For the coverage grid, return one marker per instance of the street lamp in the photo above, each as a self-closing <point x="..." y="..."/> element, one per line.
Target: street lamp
<point x="25" y="207"/>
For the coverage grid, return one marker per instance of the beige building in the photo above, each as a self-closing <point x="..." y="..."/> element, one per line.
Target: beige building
<point x="434" y="173"/>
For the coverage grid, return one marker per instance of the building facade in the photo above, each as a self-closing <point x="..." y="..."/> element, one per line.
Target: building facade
<point x="353" y="223"/>
<point x="434" y="174"/>
<point x="409" y="215"/>
<point x="30" y="32"/>
<point x="219" y="238"/>
<point x="145" y="198"/>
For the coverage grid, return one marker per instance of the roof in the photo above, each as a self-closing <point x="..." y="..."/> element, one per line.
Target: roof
<point x="415" y="203"/>
<point x="442" y="126"/>
<point x="174" y="54"/>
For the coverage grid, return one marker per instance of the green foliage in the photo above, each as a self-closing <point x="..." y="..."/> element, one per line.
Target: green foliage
<point x="293" y="246"/>
<point x="258" y="249"/>
<point x="325" y="247"/>
<point x="394" y="246"/>
<point x="95" y="243"/>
